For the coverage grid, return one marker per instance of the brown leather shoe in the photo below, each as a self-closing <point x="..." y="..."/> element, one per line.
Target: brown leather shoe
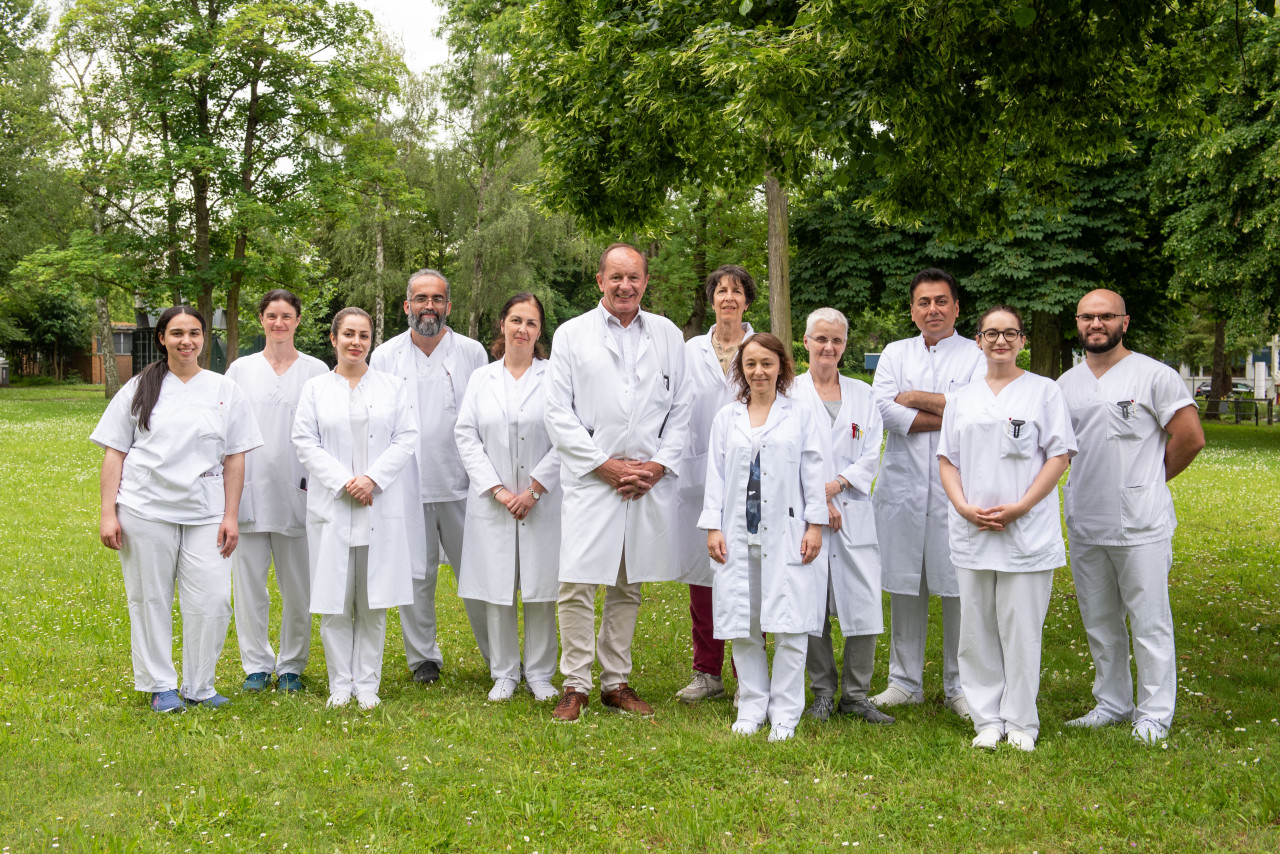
<point x="624" y="699"/>
<point x="572" y="705"/>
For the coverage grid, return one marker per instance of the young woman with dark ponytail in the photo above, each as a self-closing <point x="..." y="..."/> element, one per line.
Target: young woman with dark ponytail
<point x="175" y="438"/>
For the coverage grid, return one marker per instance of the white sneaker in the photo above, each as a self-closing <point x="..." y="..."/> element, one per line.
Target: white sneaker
<point x="701" y="687"/>
<point x="1096" y="718"/>
<point x="959" y="705"/>
<point x="895" y="696"/>
<point x="367" y="700"/>
<point x="503" y="689"/>
<point x="338" y="699"/>
<point x="745" y="727"/>
<point x="987" y="739"/>
<point x="1021" y="740"/>
<point x="542" y="690"/>
<point x="1148" y="731"/>
<point x="781" y="733"/>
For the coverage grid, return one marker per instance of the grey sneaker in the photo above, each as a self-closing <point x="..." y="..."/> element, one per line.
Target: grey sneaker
<point x="864" y="709"/>
<point x="1148" y="731"/>
<point x="702" y="686"/>
<point x="1096" y="718"/>
<point x="821" y="708"/>
<point x="960" y="706"/>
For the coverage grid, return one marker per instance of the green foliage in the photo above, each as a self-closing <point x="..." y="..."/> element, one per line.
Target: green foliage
<point x="45" y="320"/>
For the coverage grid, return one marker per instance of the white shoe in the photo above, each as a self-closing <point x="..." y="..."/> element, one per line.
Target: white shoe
<point x="1021" y="740"/>
<point x="367" y="700"/>
<point x="1148" y="731"/>
<point x="338" y="699"/>
<point x="895" y="696"/>
<point x="988" y="738"/>
<point x="542" y="690"/>
<point x="1096" y="718"/>
<point x="745" y="727"/>
<point x="503" y="689"/>
<point x="959" y="705"/>
<point x="781" y="733"/>
<point x="701" y="687"/>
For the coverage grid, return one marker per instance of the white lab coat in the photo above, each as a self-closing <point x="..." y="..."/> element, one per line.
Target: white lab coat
<point x="707" y="390"/>
<point x="173" y="472"/>
<point x="792" y="492"/>
<point x="323" y="439"/>
<point x="997" y="467"/>
<point x="910" y="504"/>
<point x="590" y="419"/>
<point x="439" y="471"/>
<point x="853" y="552"/>
<point x="490" y="544"/>
<point x="273" y="500"/>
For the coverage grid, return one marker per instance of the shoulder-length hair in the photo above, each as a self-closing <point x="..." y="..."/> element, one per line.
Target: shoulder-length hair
<point x="499" y="346"/>
<point x="786" y="368"/>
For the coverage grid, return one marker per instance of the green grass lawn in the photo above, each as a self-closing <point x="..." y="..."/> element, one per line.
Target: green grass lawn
<point x="85" y="765"/>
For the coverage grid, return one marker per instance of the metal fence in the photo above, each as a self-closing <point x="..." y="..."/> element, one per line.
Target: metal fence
<point x="1241" y="410"/>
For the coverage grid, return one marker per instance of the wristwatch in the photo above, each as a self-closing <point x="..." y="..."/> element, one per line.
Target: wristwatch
<point x="535" y="495"/>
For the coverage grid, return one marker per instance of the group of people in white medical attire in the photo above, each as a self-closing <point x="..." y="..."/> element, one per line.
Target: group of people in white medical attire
<point x="351" y="481"/>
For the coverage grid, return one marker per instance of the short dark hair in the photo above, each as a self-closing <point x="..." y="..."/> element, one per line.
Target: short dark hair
<point x="644" y="259"/>
<point x="499" y="346"/>
<point x="935" y="274"/>
<point x="279" y="294"/>
<point x="731" y="271"/>
<point x="786" y="368"/>
<point x="1008" y="309"/>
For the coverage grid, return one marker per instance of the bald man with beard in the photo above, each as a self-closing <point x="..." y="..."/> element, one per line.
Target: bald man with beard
<point x="1138" y="428"/>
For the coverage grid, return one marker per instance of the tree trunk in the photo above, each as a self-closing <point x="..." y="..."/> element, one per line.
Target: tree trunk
<point x="379" y="265"/>
<point x="1220" y="373"/>
<point x="477" y="260"/>
<point x="698" y="317"/>
<point x="102" y="307"/>
<point x="1046" y="349"/>
<point x="172" y="213"/>
<point x="779" y="260"/>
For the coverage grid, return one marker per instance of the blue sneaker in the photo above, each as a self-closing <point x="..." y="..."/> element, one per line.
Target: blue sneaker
<point x="217" y="701"/>
<point x="289" y="682"/>
<point x="255" y="682"/>
<point x="167" y="701"/>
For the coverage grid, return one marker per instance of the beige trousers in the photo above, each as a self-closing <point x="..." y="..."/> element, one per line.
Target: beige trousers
<point x="579" y="644"/>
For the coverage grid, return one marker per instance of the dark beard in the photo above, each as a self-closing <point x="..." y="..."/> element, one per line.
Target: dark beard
<point x="427" y="326"/>
<point x="1114" y="340"/>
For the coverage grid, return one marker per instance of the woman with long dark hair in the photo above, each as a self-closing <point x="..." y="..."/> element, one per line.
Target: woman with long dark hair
<point x="511" y="545"/>
<point x="273" y="509"/>
<point x="175" y="438"/>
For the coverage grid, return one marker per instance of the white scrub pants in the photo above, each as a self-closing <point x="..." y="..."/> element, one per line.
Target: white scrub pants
<point x="908" y="630"/>
<point x="540" y="641"/>
<point x="1113" y="582"/>
<point x="249" y="564"/>
<point x="354" y="640"/>
<point x="444" y="523"/>
<point x="155" y="556"/>
<point x="579" y="644"/>
<point x="778" y="698"/>
<point x="1000" y="640"/>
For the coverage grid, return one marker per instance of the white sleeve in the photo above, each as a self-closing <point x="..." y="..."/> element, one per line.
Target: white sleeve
<point x="675" y="434"/>
<point x="949" y="438"/>
<point x="712" y="518"/>
<point x="324" y="467"/>
<point x="812" y="467"/>
<point x="404" y="439"/>
<point x="861" y="473"/>
<point x="577" y="450"/>
<point x="466" y="434"/>
<point x="116" y="427"/>
<point x="1168" y="393"/>
<point x="242" y="426"/>
<point x="1056" y="435"/>
<point x="885" y="386"/>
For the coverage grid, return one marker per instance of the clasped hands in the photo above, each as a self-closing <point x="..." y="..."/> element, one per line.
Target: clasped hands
<point x="630" y="478"/>
<point x="992" y="518"/>
<point x="518" y="504"/>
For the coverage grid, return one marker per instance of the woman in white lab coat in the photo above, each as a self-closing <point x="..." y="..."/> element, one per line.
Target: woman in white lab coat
<point x="846" y="409"/>
<point x="709" y="385"/>
<point x="175" y="439"/>
<point x="1005" y="442"/>
<point x="763" y="512"/>
<point x="511" y="542"/>
<point x="355" y="431"/>
<point x="273" y="508"/>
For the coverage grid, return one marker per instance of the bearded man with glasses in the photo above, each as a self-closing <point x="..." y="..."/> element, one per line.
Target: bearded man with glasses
<point x="437" y="363"/>
<point x="1138" y="428"/>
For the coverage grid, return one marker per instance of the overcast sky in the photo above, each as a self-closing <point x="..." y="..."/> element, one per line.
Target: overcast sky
<point x="414" y="23"/>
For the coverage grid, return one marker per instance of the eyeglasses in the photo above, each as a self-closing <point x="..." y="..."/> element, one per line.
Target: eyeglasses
<point x="1105" y="318"/>
<point x="822" y="341"/>
<point x="423" y="299"/>
<point x="1008" y="334"/>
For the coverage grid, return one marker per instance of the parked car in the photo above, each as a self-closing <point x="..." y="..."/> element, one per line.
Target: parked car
<point x="1238" y="389"/>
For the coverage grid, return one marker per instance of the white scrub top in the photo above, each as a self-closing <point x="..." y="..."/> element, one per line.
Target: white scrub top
<point x="173" y="472"/>
<point x="1116" y="493"/>
<point x="274" y="499"/>
<point x="998" y="459"/>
